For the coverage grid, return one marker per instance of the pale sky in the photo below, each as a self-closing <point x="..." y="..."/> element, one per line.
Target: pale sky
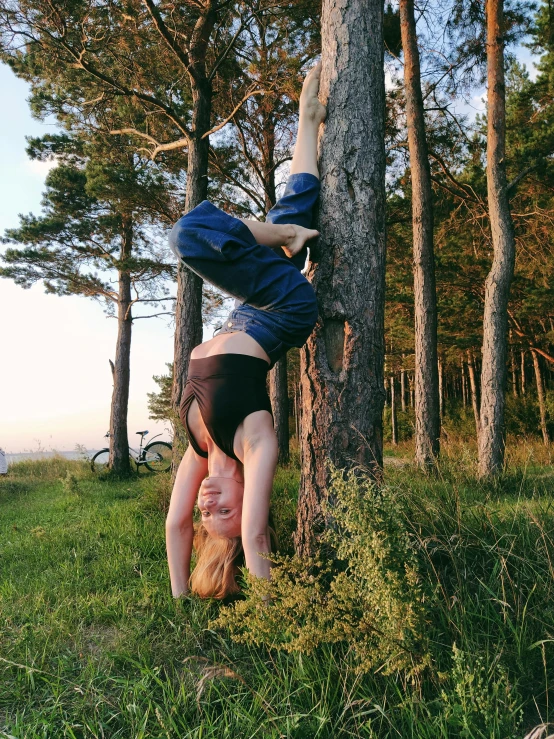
<point x="55" y="379"/>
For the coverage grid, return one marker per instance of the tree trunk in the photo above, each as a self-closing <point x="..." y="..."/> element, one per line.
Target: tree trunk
<point x="393" y="420"/>
<point x="497" y="287"/>
<point x="278" y="393"/>
<point x="403" y="385"/>
<point x="342" y="362"/>
<point x="441" y="389"/>
<point x="278" y="385"/>
<point x="464" y="383"/>
<point x="427" y="415"/>
<point x="119" y="438"/>
<point x="474" y="391"/>
<point x="513" y="368"/>
<point x="523" y="372"/>
<point x="188" y="312"/>
<point x="540" y="395"/>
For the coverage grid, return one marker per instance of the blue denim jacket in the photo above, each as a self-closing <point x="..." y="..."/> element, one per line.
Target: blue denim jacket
<point x="277" y="305"/>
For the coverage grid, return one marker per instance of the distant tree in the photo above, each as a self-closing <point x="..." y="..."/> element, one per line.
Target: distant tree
<point x="248" y="160"/>
<point x="96" y="223"/>
<point x="147" y="72"/>
<point x="497" y="288"/>
<point x="160" y="407"/>
<point x="427" y="406"/>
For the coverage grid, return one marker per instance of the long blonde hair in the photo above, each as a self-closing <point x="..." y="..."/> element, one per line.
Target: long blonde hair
<point x="218" y="561"/>
<point x="217" y="565"/>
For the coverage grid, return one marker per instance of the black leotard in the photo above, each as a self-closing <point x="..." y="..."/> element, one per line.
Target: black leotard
<point x="228" y="387"/>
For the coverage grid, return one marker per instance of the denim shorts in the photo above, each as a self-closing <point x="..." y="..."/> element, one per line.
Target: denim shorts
<point x="276" y="304"/>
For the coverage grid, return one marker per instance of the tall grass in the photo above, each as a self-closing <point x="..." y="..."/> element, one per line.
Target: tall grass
<point x="93" y="645"/>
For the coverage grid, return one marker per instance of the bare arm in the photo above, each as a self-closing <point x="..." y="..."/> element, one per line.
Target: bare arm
<point x="179" y="523"/>
<point x="260" y="461"/>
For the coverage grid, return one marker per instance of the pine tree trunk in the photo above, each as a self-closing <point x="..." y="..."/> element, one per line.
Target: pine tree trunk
<point x="188" y="312"/>
<point x="513" y="368"/>
<point x="441" y="389"/>
<point x="394" y="424"/>
<point x="541" y="398"/>
<point x="427" y="416"/>
<point x="278" y="385"/>
<point x="497" y="287"/>
<point x="403" y="385"/>
<point x="119" y="438"/>
<point x="464" y="383"/>
<point x="278" y="393"/>
<point x="474" y="390"/>
<point x="342" y="362"/>
<point x="522" y="372"/>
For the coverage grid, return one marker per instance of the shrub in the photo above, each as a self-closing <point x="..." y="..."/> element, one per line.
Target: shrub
<point x="366" y="596"/>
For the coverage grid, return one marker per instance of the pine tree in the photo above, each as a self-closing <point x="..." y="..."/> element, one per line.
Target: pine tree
<point x="97" y="209"/>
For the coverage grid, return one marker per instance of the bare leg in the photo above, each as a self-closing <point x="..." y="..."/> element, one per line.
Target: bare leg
<point x="312" y="114"/>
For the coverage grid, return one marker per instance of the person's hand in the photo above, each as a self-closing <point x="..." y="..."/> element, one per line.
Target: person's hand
<point x="298" y="237"/>
<point x="311" y="108"/>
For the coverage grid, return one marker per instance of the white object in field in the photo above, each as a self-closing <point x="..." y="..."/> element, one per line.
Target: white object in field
<point x="3" y="462"/>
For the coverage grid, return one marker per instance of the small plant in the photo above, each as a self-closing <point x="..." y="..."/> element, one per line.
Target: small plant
<point x="71" y="483"/>
<point x="481" y="702"/>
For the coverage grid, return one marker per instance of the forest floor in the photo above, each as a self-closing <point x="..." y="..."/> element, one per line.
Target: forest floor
<point x="93" y="645"/>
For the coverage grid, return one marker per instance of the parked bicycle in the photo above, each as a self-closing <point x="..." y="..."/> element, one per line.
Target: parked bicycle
<point x="156" y="455"/>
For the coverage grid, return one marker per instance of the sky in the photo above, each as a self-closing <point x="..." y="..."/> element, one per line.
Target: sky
<point x="55" y="378"/>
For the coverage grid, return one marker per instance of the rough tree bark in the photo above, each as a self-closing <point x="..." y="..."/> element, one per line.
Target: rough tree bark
<point x="278" y="393"/>
<point x="513" y="369"/>
<point x="523" y="372"/>
<point x="464" y="382"/>
<point x="188" y="309"/>
<point x="427" y="415"/>
<point x="441" y="389"/>
<point x="403" y="385"/>
<point x="497" y="286"/>
<point x="278" y="385"/>
<point x="393" y="419"/>
<point x="119" y="438"/>
<point x="474" y="390"/>
<point x="342" y="363"/>
<point x="541" y="398"/>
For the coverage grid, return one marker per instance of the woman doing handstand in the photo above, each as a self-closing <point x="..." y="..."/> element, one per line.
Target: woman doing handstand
<point x="230" y="462"/>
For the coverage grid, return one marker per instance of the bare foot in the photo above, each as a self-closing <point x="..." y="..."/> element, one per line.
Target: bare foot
<point x="299" y="236"/>
<point x="310" y="107"/>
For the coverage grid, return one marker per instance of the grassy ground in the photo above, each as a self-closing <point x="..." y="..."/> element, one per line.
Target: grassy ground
<point x="93" y="645"/>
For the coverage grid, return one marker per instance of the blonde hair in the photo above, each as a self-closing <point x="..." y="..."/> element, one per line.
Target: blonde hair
<point x="218" y="562"/>
<point x="217" y="565"/>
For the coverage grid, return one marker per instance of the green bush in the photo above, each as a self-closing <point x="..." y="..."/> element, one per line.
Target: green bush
<point x="366" y="596"/>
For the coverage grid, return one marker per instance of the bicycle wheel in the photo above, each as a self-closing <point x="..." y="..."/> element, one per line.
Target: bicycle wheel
<point x="99" y="462"/>
<point x="157" y="456"/>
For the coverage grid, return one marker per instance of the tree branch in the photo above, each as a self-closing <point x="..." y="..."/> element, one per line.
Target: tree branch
<point x="234" y="112"/>
<point x="467" y="189"/>
<point x="163" y="30"/>
<point x="154" y="315"/>
<point x="519" y="177"/>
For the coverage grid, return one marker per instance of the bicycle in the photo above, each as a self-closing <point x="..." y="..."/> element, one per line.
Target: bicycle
<point x="156" y="455"/>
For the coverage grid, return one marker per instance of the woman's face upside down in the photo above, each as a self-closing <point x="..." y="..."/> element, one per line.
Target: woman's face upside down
<point x="220" y="505"/>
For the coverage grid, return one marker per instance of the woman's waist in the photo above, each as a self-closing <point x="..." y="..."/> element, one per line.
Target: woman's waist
<point x="228" y="364"/>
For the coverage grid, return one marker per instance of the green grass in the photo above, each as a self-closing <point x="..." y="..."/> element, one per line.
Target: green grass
<point x="93" y="645"/>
